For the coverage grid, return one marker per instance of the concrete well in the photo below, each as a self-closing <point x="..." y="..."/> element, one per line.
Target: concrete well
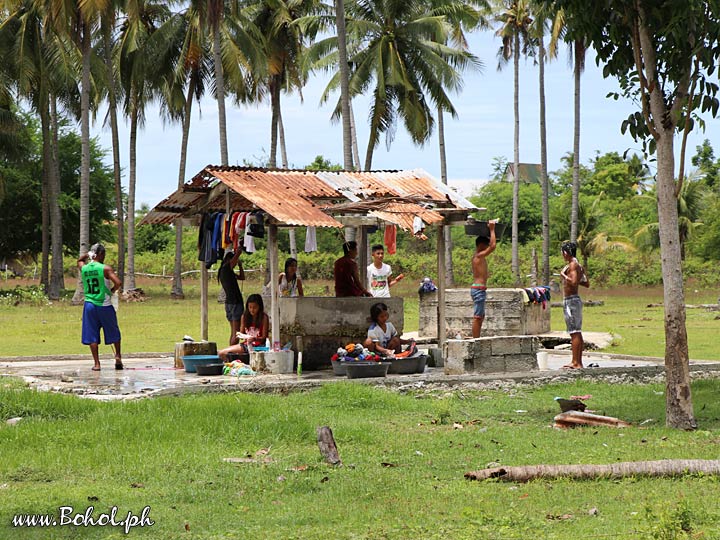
<point x="317" y="326"/>
<point x="506" y="314"/>
<point x="502" y="354"/>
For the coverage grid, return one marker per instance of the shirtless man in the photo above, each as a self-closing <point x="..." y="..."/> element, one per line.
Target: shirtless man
<point x="484" y="246"/>
<point x="573" y="275"/>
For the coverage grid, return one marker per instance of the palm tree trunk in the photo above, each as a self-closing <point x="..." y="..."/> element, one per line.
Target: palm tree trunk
<point x="112" y="112"/>
<point x="353" y="136"/>
<point x="281" y="137"/>
<point x="44" y="193"/>
<point x="79" y="295"/>
<point x="344" y="84"/>
<point x="292" y="237"/>
<point x="543" y="169"/>
<point x="449" y="277"/>
<point x="654" y="469"/>
<point x="130" y="280"/>
<point x="220" y="96"/>
<point x="274" y="106"/>
<point x="369" y="154"/>
<point x="515" y="264"/>
<point x="57" y="279"/>
<point x="177" y="290"/>
<point x="576" y="150"/>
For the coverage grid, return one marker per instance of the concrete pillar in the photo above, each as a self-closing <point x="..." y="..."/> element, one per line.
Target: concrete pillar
<point x="203" y="301"/>
<point x="274" y="276"/>
<point x="441" y="287"/>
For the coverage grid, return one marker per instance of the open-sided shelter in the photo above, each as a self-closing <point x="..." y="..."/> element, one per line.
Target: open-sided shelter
<point x="293" y="198"/>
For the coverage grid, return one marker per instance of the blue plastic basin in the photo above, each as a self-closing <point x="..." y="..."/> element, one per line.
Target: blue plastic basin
<point x="191" y="361"/>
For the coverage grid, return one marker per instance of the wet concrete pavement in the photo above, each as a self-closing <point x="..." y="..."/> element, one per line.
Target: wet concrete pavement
<point x="155" y="375"/>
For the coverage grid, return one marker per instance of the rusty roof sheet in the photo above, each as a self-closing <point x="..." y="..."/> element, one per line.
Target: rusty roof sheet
<point x="284" y="197"/>
<point x="403" y="214"/>
<point x="300" y="197"/>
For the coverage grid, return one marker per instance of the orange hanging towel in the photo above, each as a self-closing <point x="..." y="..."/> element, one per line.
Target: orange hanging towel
<point x="390" y="239"/>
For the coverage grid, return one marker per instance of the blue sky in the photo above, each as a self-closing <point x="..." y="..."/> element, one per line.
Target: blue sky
<point x="482" y="131"/>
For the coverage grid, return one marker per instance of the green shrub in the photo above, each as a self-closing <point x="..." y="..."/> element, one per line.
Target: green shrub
<point x="609" y="269"/>
<point x="32" y="295"/>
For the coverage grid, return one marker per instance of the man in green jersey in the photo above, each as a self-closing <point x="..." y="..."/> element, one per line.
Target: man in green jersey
<point x="99" y="283"/>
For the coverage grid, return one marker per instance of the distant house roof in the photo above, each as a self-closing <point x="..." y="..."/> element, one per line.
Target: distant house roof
<point x="313" y="198"/>
<point x="529" y="173"/>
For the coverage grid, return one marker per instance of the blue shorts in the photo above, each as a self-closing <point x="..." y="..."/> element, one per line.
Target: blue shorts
<point x="233" y="312"/>
<point x="478" y="296"/>
<point x="96" y="317"/>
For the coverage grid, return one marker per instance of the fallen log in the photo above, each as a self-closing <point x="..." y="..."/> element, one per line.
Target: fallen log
<point x="662" y="468"/>
<point x="578" y="418"/>
<point x="326" y="443"/>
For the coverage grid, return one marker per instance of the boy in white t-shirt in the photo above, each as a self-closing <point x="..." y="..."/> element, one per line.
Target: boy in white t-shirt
<point x="378" y="274"/>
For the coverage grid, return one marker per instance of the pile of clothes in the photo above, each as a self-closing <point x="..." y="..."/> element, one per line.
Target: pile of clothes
<point x="354" y="352"/>
<point x="236" y="368"/>
<point x="427" y="286"/>
<point x="537" y="295"/>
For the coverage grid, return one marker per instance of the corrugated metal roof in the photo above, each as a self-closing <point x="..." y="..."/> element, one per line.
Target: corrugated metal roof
<point x="403" y="214"/>
<point x="286" y="197"/>
<point x="297" y="197"/>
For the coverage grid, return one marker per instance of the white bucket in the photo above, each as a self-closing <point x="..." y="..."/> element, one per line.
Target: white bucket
<point x="272" y="361"/>
<point x="542" y="360"/>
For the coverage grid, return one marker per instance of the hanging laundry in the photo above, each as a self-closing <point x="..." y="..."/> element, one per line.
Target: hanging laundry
<point x="207" y="252"/>
<point x="538" y="295"/>
<point x="233" y="231"/>
<point x="249" y="241"/>
<point x="390" y="239"/>
<point x="310" y="240"/>
<point x="226" y="240"/>
<point x="257" y="225"/>
<point x="217" y="234"/>
<point x="418" y="225"/>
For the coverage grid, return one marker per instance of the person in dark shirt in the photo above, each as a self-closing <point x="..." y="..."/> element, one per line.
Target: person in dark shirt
<point x="347" y="275"/>
<point x="233" y="297"/>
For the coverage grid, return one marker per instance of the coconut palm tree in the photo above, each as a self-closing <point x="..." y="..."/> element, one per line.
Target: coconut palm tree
<point x="39" y="73"/>
<point x="284" y="44"/>
<point x="515" y="21"/>
<point x="78" y="21"/>
<point x="107" y="24"/>
<point x="463" y="16"/>
<point x="542" y="17"/>
<point x="544" y="183"/>
<point x="397" y="49"/>
<point x="690" y="204"/>
<point x="185" y="42"/>
<point x="140" y="81"/>
<point x="215" y="13"/>
<point x="182" y="41"/>
<point x="344" y="71"/>
<point x="577" y="49"/>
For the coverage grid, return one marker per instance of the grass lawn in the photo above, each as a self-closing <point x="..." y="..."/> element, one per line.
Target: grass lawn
<point x="639" y="329"/>
<point x="405" y="456"/>
<point x="155" y="325"/>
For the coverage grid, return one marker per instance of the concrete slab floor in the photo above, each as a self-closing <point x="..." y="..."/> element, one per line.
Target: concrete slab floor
<point x="156" y="376"/>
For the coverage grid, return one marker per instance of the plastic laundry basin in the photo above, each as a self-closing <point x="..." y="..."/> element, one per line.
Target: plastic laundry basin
<point x="340" y="366"/>
<point x="403" y="366"/>
<point x="357" y="370"/>
<point x="193" y="360"/>
<point x="209" y="369"/>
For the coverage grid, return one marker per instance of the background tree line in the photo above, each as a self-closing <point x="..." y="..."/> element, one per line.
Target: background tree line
<point x="617" y="217"/>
